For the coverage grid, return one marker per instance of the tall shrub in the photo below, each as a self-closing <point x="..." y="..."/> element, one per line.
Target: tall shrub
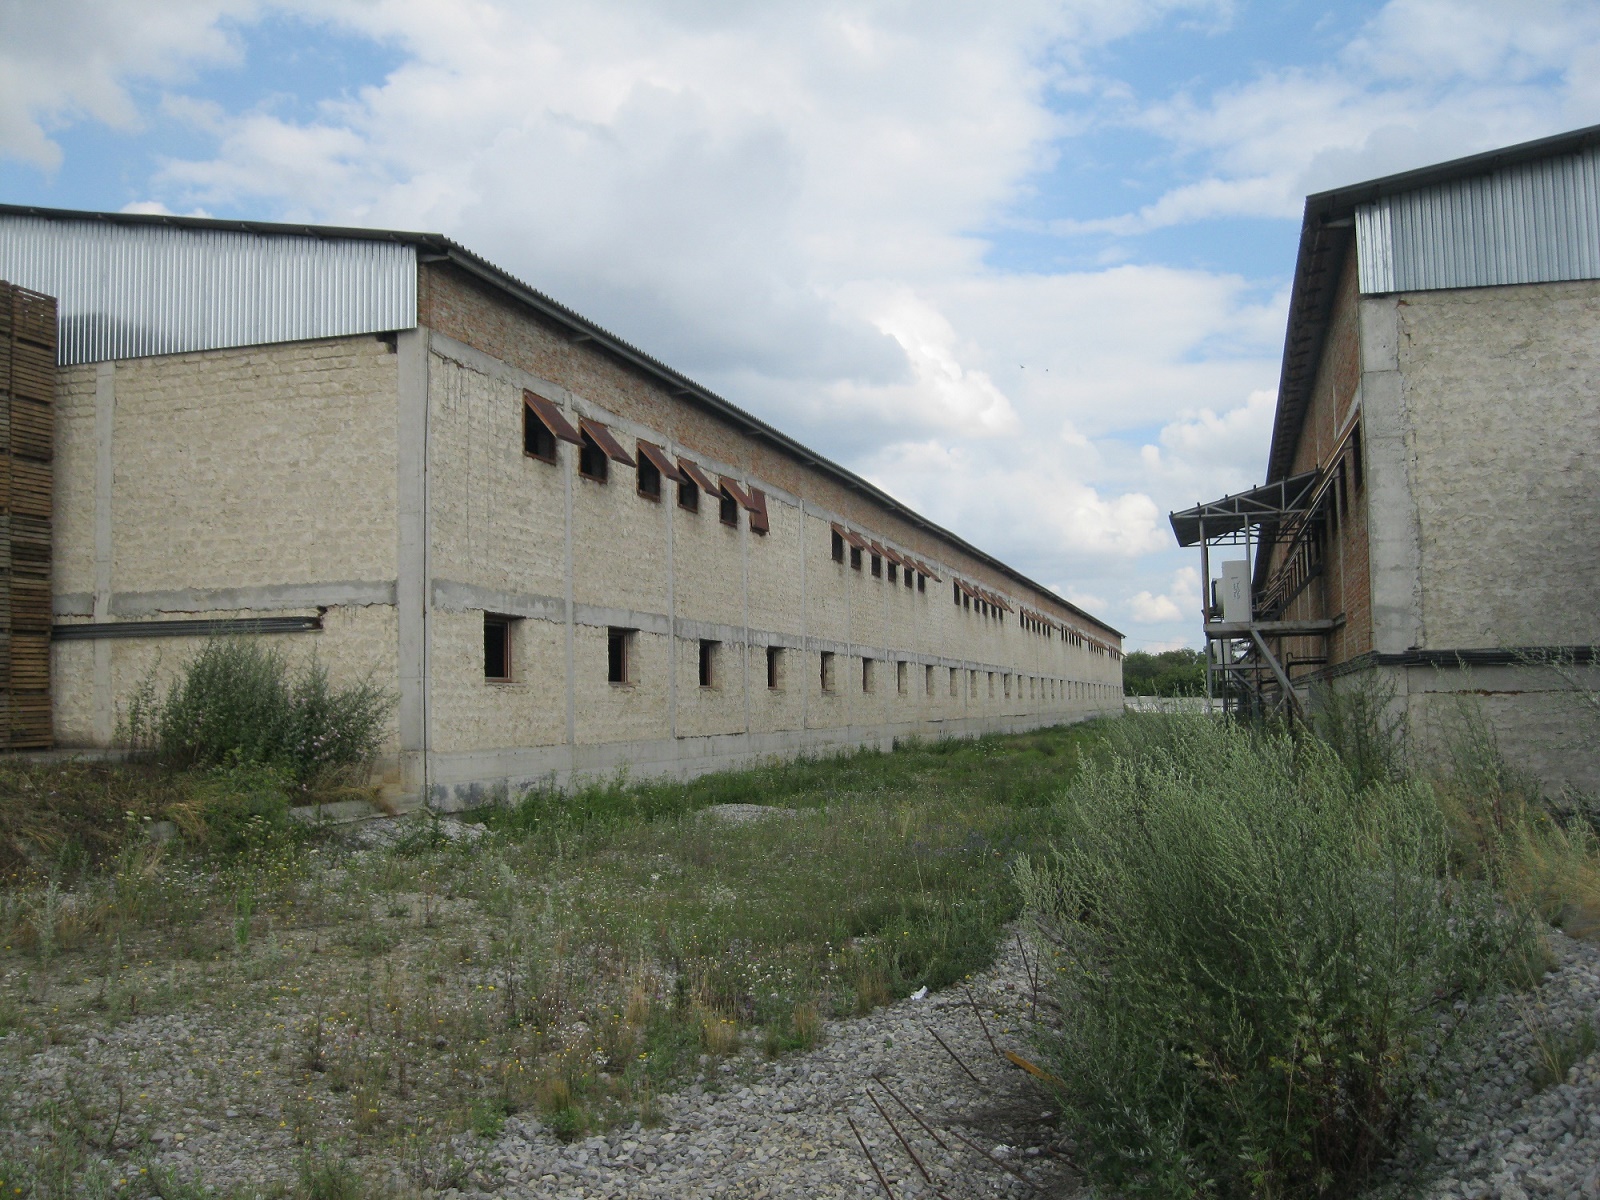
<point x="239" y="702"/>
<point x="1258" y="960"/>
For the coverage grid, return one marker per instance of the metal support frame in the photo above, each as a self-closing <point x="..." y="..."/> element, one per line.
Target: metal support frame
<point x="1241" y="663"/>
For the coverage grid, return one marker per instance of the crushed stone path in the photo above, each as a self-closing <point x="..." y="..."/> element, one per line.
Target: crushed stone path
<point x="829" y="1122"/>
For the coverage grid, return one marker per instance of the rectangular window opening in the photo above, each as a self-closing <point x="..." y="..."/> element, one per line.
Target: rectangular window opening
<point x="592" y="461"/>
<point x="991" y="685"/>
<point x="893" y="578"/>
<point x="827" y="670"/>
<point x="708" y="663"/>
<point x="1356" y="471"/>
<point x="909" y="580"/>
<point x="955" y="592"/>
<point x="619" y="654"/>
<point x="952" y="681"/>
<point x="877" y="567"/>
<point x="866" y="675"/>
<point x="901" y="673"/>
<point x="689" y="496"/>
<point x="927" y="681"/>
<point x="728" y="509"/>
<point x="922" y="582"/>
<point x="838" y="547"/>
<point x="649" y="479"/>
<point x="497" y="647"/>
<point x="774" y="668"/>
<point x="537" y="440"/>
<point x="855" y="558"/>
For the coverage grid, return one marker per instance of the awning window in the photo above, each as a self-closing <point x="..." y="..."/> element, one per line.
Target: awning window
<point x="736" y="489"/>
<point x="552" y="418"/>
<point x="608" y="444"/>
<point x="697" y="476"/>
<point x="758" y="511"/>
<point x="661" y="460"/>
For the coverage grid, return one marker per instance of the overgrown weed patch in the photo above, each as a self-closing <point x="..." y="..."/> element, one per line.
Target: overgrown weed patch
<point x="571" y="961"/>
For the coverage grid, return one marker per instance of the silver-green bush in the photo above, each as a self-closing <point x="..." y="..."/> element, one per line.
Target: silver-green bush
<point x="1259" y="960"/>
<point x="239" y="702"/>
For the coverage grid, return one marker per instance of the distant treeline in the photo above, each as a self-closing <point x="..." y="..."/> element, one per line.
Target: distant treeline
<point x="1170" y="673"/>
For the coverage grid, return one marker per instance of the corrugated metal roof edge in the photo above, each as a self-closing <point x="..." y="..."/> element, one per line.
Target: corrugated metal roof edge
<point x="1323" y="232"/>
<point x="503" y="280"/>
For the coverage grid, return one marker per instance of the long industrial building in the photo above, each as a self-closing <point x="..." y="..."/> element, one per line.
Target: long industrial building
<point x="564" y="556"/>
<point x="1427" y="520"/>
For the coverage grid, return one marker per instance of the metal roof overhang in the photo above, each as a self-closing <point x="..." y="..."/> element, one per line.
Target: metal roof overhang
<point x="433" y="247"/>
<point x="1264" y="505"/>
<point x="1327" y="235"/>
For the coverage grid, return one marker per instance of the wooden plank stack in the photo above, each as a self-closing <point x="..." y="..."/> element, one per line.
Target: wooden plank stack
<point x="27" y="446"/>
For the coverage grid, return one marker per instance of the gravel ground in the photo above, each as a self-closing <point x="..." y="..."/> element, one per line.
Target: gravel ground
<point x="199" y="1098"/>
<point x="1503" y="1129"/>
<point x="791" y="1128"/>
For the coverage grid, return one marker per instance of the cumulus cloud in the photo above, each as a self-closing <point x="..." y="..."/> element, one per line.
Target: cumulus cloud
<point x="798" y="204"/>
<point x="69" y="60"/>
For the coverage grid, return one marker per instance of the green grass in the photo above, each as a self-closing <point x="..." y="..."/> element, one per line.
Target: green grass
<point x="583" y="955"/>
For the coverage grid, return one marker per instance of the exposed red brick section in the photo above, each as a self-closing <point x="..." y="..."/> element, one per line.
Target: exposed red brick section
<point x="1345" y="586"/>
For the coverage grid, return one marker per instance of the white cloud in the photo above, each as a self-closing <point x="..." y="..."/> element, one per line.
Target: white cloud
<point x="67" y="60"/>
<point x="790" y="202"/>
<point x="1424" y="81"/>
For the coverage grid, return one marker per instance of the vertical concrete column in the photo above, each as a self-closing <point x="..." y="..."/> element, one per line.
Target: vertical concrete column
<point x="667" y="489"/>
<point x="745" y="537"/>
<point x="1394" y="531"/>
<point x="568" y="467"/>
<point x="411" y="588"/>
<point x="805" y="689"/>
<point x="105" y="412"/>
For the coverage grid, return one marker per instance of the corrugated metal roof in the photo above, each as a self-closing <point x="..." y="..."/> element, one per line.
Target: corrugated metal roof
<point x="1529" y="222"/>
<point x="1327" y="232"/>
<point x="131" y="290"/>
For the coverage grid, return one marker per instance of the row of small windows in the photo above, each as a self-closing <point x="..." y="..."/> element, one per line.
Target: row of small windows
<point x="621" y="668"/>
<point x="899" y="566"/>
<point x="544" y="426"/>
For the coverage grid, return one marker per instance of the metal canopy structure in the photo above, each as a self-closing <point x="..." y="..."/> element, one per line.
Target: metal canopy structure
<point x="1233" y="515"/>
<point x="1241" y="663"/>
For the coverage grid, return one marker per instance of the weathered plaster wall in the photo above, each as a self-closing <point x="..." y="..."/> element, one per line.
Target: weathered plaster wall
<point x="234" y="483"/>
<point x="503" y="526"/>
<point x="1502" y="392"/>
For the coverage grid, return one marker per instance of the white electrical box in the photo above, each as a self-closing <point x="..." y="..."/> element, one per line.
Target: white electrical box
<point x="1236" y="592"/>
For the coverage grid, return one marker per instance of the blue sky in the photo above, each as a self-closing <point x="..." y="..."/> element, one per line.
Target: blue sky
<point x="1025" y="267"/>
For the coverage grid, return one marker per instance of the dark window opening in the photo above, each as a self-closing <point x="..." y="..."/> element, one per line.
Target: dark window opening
<point x="877" y="567"/>
<point x="892" y="576"/>
<point x="1344" y="493"/>
<point x="866" y="675"/>
<point x="774" y="665"/>
<point x="689" y="496"/>
<point x="909" y="580"/>
<point x="966" y="601"/>
<point x="728" y="510"/>
<point x="649" y="479"/>
<point x="1356" y="473"/>
<point x="537" y="440"/>
<point x="955" y="592"/>
<point x="827" y="670"/>
<point x="496" y="647"/>
<point x="708" y="663"/>
<point x="619" y="646"/>
<point x="922" y="582"/>
<point x="855" y="558"/>
<point x="900" y="674"/>
<point x="592" y="461"/>
<point x="838" y="548"/>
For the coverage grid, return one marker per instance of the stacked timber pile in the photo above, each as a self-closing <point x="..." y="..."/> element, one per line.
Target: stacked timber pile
<point x="27" y="437"/>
